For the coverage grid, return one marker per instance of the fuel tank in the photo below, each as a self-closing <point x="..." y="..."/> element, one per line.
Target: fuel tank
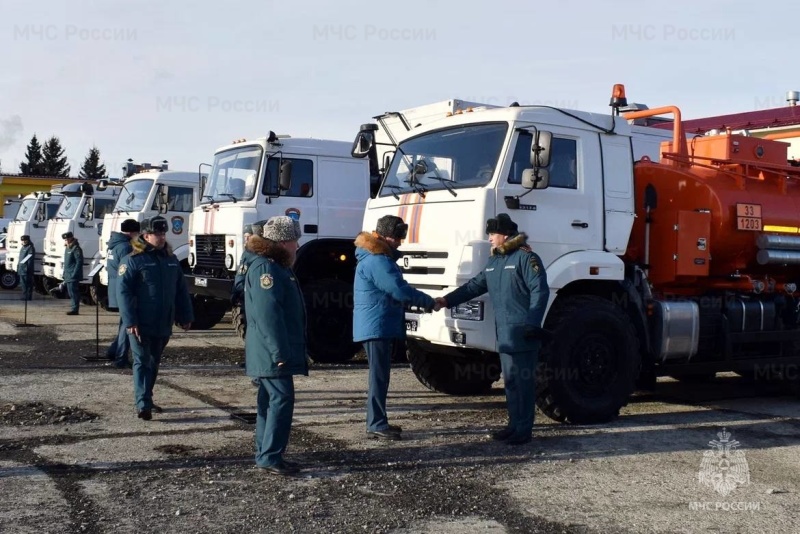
<point x="725" y="214"/>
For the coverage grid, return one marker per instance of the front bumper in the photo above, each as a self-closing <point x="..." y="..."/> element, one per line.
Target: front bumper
<point x="209" y="287"/>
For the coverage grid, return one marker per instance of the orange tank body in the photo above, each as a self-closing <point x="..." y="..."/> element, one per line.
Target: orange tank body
<point x="708" y="209"/>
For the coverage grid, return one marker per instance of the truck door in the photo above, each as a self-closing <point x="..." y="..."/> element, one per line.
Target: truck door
<point x="567" y="216"/>
<point x="300" y="201"/>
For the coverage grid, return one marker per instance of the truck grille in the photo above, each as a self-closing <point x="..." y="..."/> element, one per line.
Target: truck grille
<point x="210" y="251"/>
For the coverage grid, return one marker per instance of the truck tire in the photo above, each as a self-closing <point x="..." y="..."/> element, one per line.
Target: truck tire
<point x="38" y="285"/>
<point x="50" y="284"/>
<point x="588" y="370"/>
<point x="453" y="375"/>
<point x="329" y="319"/>
<point x="239" y="321"/>
<point x="208" y="312"/>
<point x="9" y="279"/>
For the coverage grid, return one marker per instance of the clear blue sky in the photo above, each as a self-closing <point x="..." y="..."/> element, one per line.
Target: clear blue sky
<point x="154" y="80"/>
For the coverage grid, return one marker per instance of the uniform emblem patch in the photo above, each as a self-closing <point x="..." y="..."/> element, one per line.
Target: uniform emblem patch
<point x="535" y="264"/>
<point x="266" y="281"/>
<point x="122" y="269"/>
<point x="243" y="269"/>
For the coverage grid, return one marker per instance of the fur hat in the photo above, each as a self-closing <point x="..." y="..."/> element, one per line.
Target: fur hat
<point x="391" y="226"/>
<point x="247" y="229"/>
<point x="25" y="237"/>
<point x="282" y="228"/>
<point x="257" y="228"/>
<point x="129" y="225"/>
<point x="67" y="235"/>
<point x="154" y="224"/>
<point x="502" y="224"/>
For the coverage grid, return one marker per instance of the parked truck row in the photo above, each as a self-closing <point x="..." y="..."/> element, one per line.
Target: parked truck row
<point x="666" y="253"/>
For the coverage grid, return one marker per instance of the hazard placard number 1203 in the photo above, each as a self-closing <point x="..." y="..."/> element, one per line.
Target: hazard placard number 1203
<point x="748" y="217"/>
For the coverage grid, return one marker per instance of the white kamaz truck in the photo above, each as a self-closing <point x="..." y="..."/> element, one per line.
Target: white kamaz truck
<point x="35" y="210"/>
<point x="566" y="178"/>
<point x="81" y="212"/>
<point x="313" y="181"/>
<point x="145" y="194"/>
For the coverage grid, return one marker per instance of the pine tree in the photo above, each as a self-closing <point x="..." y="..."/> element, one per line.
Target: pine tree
<point x="34" y="164"/>
<point x="54" y="162"/>
<point x="92" y="168"/>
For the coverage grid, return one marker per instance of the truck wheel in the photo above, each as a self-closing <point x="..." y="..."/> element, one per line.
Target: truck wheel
<point x="329" y="309"/>
<point x="239" y="321"/>
<point x="50" y="284"/>
<point x="588" y="370"/>
<point x="400" y="352"/>
<point x="207" y="312"/>
<point x="453" y="375"/>
<point x="9" y="279"/>
<point x="38" y="285"/>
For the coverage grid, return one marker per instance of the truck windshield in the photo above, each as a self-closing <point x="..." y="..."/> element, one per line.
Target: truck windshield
<point x="69" y="206"/>
<point x="26" y="210"/>
<point x="133" y="196"/>
<point x="454" y="158"/>
<point x="234" y="175"/>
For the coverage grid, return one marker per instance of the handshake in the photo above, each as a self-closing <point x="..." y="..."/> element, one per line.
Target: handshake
<point x="440" y="303"/>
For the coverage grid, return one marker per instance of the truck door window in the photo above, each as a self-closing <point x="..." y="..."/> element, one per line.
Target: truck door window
<point x="102" y="206"/>
<point x="563" y="161"/>
<point x="302" y="177"/>
<point x="180" y="198"/>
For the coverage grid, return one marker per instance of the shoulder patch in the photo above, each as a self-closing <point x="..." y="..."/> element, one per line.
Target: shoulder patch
<point x="122" y="269"/>
<point x="535" y="265"/>
<point x="266" y="281"/>
<point x="243" y="268"/>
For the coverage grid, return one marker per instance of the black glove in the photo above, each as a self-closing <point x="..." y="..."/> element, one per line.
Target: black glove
<point x="537" y="333"/>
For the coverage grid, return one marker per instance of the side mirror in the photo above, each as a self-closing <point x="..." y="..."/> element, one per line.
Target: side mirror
<point x="102" y="185"/>
<point x="285" y="175"/>
<point x="88" y="211"/>
<point x="87" y="188"/>
<point x="535" y="178"/>
<point x="364" y="142"/>
<point x="540" y="149"/>
<point x="163" y="202"/>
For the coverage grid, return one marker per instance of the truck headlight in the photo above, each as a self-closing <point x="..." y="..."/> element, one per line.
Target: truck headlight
<point x="229" y="261"/>
<point x="469" y="311"/>
<point x="191" y="259"/>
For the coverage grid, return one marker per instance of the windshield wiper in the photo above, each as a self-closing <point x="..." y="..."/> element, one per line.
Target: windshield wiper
<point x="206" y="196"/>
<point x="393" y="188"/>
<point x="230" y="195"/>
<point x="446" y="183"/>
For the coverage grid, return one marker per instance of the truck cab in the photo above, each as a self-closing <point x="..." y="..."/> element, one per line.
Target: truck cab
<point x="146" y="194"/>
<point x="35" y="210"/>
<point x="81" y="211"/>
<point x="315" y="182"/>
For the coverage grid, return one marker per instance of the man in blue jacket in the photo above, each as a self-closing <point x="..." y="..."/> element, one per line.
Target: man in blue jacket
<point x="516" y="282"/>
<point x="119" y="246"/>
<point x="152" y="295"/>
<point x="275" y="343"/>
<point x="25" y="270"/>
<point x="379" y="301"/>
<point x="73" y="271"/>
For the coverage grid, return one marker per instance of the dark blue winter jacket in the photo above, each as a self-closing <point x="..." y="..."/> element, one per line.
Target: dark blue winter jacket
<point x="152" y="291"/>
<point x="516" y="282"/>
<point x="73" y="262"/>
<point x="276" y="314"/>
<point x="119" y="246"/>
<point x="380" y="294"/>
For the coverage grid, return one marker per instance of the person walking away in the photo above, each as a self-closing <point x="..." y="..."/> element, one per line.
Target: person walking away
<point x="119" y="246"/>
<point x="379" y="301"/>
<point x="275" y="343"/>
<point x="516" y="282"/>
<point x="25" y="270"/>
<point x="73" y="271"/>
<point x="152" y="295"/>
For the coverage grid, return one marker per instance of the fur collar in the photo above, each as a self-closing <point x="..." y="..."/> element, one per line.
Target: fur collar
<point x="139" y="245"/>
<point x="269" y="249"/>
<point x="370" y="242"/>
<point x="518" y="241"/>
